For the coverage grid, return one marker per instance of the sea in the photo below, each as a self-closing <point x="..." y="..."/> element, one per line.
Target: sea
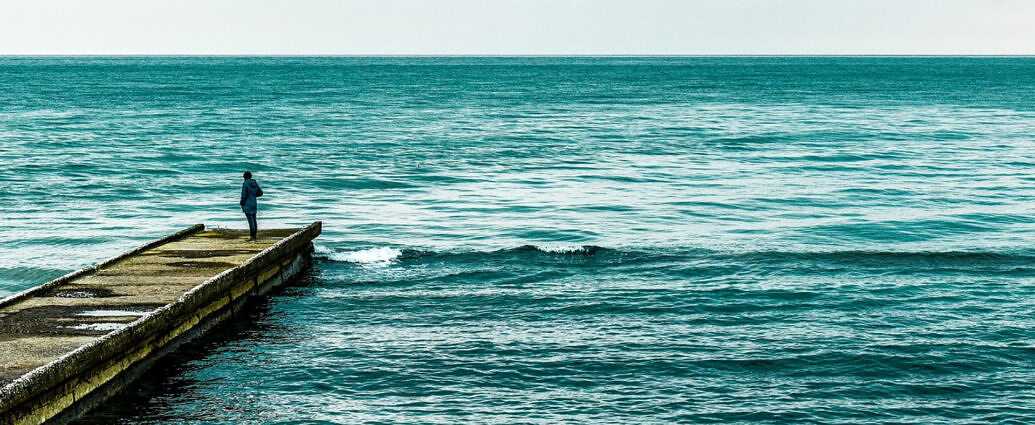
<point x="558" y="240"/>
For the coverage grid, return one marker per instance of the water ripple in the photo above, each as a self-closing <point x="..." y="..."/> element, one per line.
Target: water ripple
<point x="559" y="240"/>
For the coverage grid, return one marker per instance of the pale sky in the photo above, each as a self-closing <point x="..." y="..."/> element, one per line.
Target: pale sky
<point x="517" y="27"/>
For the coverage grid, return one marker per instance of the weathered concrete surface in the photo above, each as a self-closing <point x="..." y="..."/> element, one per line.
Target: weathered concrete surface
<point x="69" y="344"/>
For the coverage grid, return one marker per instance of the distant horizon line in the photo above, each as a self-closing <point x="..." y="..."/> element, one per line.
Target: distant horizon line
<point x="589" y="55"/>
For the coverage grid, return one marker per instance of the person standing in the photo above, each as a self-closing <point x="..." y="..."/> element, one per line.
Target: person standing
<point x="249" y="191"/>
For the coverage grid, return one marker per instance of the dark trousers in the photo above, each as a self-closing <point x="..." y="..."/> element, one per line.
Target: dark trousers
<point x="252" y="224"/>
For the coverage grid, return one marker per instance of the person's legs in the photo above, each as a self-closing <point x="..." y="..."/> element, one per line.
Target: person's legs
<point x="253" y="226"/>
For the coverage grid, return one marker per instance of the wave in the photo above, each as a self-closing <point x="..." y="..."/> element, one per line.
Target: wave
<point x="373" y="256"/>
<point x="1021" y="260"/>
<point x="562" y="249"/>
<point x="1026" y="256"/>
<point x="25" y="274"/>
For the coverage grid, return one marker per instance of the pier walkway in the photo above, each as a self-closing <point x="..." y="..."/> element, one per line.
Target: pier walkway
<point x="99" y="327"/>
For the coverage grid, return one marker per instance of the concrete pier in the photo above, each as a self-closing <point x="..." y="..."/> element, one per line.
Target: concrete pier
<point x="68" y="345"/>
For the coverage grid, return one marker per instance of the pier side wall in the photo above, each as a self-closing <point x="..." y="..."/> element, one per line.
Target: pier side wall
<point x="82" y="379"/>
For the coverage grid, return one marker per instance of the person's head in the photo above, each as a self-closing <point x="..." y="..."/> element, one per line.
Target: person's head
<point x="247" y="175"/>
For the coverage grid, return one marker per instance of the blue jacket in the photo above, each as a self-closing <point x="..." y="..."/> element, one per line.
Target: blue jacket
<point x="249" y="191"/>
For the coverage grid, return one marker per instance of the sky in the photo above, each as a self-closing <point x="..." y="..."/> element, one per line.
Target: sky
<point x="517" y="27"/>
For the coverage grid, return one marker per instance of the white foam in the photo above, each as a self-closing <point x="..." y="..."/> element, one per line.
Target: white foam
<point x="374" y="256"/>
<point x="561" y="249"/>
<point x="98" y="326"/>
<point x="382" y="255"/>
<point x="111" y="313"/>
<point x="322" y="251"/>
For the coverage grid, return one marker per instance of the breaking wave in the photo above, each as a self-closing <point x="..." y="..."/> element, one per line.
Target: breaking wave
<point x="379" y="255"/>
<point x="888" y="261"/>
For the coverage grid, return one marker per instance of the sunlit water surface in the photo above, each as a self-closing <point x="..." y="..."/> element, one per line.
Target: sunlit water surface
<point x="559" y="240"/>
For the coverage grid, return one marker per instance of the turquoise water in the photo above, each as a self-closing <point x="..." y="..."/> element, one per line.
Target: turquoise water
<point x="560" y="240"/>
